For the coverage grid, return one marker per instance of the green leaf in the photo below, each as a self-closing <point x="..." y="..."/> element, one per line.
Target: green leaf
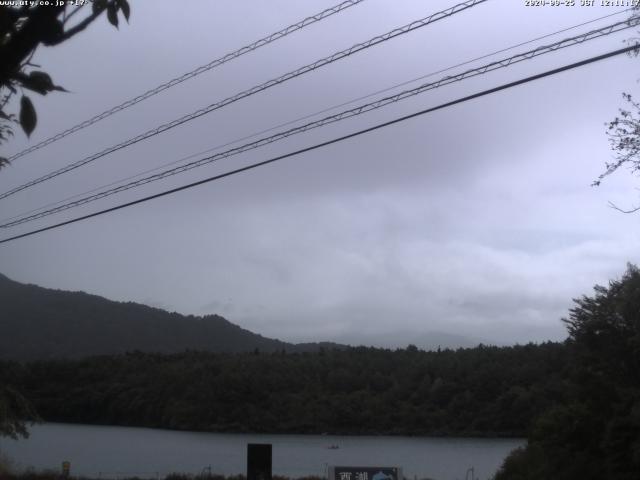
<point x="112" y="14"/>
<point x="38" y="82"/>
<point x="43" y="77"/>
<point x="124" y="7"/>
<point x="28" y="118"/>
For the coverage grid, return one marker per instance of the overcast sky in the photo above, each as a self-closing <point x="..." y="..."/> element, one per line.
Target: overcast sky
<point x="477" y="220"/>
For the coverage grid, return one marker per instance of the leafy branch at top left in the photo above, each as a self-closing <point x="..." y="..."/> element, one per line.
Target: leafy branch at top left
<point x="22" y="30"/>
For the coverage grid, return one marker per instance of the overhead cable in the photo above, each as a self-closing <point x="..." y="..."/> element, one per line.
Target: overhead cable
<point x="256" y="89"/>
<point x="359" y="110"/>
<point x="307" y="116"/>
<point x="483" y="93"/>
<point x="193" y="73"/>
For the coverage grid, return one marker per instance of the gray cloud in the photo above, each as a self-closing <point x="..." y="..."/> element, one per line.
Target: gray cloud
<point x="477" y="220"/>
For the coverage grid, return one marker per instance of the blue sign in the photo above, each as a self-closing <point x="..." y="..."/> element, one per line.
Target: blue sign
<point x="365" y="473"/>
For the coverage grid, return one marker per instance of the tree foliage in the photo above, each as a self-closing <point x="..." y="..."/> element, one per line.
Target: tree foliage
<point x="25" y="27"/>
<point x="484" y="391"/>
<point x="15" y="411"/>
<point x="624" y="132"/>
<point x="624" y="137"/>
<point x="595" y="432"/>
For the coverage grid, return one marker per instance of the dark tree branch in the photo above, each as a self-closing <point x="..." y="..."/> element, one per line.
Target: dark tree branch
<point x="75" y="10"/>
<point x="615" y="207"/>
<point x="84" y="23"/>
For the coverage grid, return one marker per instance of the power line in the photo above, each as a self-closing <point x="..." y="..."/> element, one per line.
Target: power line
<point x="193" y="73"/>
<point x="256" y="89"/>
<point x="340" y="116"/>
<point x="335" y="140"/>
<point x="359" y="110"/>
<point x="311" y="115"/>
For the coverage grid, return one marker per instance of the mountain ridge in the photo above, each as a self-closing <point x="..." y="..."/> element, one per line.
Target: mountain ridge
<point x="43" y="323"/>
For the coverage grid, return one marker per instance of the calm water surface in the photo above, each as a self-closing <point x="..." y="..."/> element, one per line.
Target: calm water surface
<point x="110" y="452"/>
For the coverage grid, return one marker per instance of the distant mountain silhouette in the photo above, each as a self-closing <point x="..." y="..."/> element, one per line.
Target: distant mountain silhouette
<point x="431" y="340"/>
<point x="41" y="323"/>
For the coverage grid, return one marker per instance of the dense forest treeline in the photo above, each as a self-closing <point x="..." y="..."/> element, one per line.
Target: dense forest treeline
<point x="484" y="391"/>
<point x="578" y="402"/>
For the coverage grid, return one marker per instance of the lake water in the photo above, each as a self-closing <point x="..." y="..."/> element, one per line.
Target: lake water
<point x="113" y="452"/>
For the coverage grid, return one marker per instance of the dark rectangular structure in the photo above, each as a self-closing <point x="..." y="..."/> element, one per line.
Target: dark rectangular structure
<point x="259" y="461"/>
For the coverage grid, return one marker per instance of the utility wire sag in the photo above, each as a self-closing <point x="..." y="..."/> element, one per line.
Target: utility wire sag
<point x="256" y="89"/>
<point x="305" y="117"/>
<point x="483" y="93"/>
<point x="359" y="110"/>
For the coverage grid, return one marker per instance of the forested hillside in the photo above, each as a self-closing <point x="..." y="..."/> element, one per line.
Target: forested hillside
<point x="594" y="432"/>
<point x="483" y="391"/>
<point x="40" y="323"/>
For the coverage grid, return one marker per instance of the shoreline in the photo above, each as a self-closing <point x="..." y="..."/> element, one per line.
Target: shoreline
<point x="439" y="436"/>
